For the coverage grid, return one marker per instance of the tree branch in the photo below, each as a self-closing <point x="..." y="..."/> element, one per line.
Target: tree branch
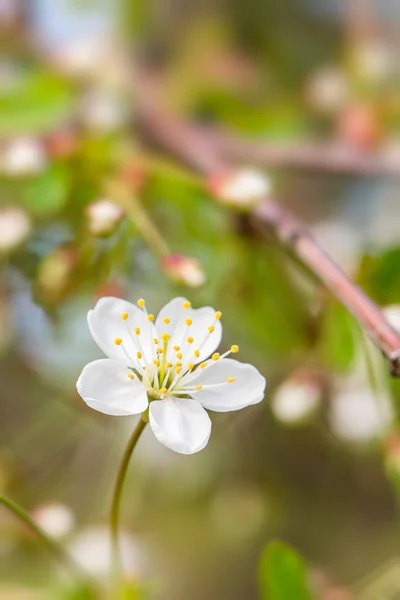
<point x="195" y="147"/>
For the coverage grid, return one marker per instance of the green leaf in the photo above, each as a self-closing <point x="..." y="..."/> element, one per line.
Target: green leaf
<point x="338" y="337"/>
<point x="283" y="574"/>
<point x="47" y="193"/>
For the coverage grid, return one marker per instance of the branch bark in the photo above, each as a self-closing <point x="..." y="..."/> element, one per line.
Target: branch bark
<point x="193" y="146"/>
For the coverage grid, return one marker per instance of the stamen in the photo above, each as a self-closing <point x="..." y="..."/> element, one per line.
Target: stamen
<point x="179" y="355"/>
<point x="169" y="365"/>
<point x="197" y="353"/>
<point x="131" y="376"/>
<point x="190" y="366"/>
<point x="163" y="390"/>
<point x="231" y="379"/>
<point x="151" y="317"/>
<point x="167" y="320"/>
<point x="137" y="330"/>
<point x="157" y="362"/>
<point x="125" y="316"/>
<point x="187" y="304"/>
<point x="218" y="314"/>
<point x="211" y="328"/>
<point x="160" y="350"/>
<point x="234" y="348"/>
<point x="189" y="321"/>
<point x="178" y="364"/>
<point x="190" y="339"/>
<point x="166" y="337"/>
<point x="203" y="365"/>
<point x="139" y="355"/>
<point x="216" y="356"/>
<point x="118" y="341"/>
<point x="141" y="303"/>
<point x="156" y="341"/>
<point x="178" y="370"/>
<point x="177" y="348"/>
<point x="198" y="387"/>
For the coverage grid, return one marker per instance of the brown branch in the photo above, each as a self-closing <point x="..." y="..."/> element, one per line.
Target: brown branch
<point x="336" y="157"/>
<point x="194" y="147"/>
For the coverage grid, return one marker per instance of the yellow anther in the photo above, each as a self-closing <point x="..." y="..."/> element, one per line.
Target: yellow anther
<point x="179" y="355"/>
<point x="177" y="348"/>
<point x="198" y="387"/>
<point x="118" y="341"/>
<point x="203" y="365"/>
<point x="131" y="376"/>
<point x="211" y="328"/>
<point x="125" y="316"/>
<point x="178" y="364"/>
<point x="178" y="370"/>
<point x="169" y="365"/>
<point x="166" y="337"/>
<point x="234" y="348"/>
<point x="137" y="330"/>
<point x="139" y="355"/>
<point x="197" y="353"/>
<point x="156" y="341"/>
<point x="163" y="391"/>
<point x="189" y="321"/>
<point x="218" y="314"/>
<point x="157" y="362"/>
<point x="187" y="304"/>
<point x="190" y="339"/>
<point x="141" y="302"/>
<point x="216" y="356"/>
<point x="167" y="320"/>
<point x="160" y="350"/>
<point x="151" y="317"/>
<point x="231" y="379"/>
<point x="190" y="366"/>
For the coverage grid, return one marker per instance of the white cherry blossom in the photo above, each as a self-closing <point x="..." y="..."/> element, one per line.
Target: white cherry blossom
<point x="161" y="367"/>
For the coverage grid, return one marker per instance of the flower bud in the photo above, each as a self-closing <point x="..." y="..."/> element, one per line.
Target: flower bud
<point x="184" y="269"/>
<point x="15" y="226"/>
<point x="57" y="520"/>
<point x="55" y="272"/>
<point x="243" y="188"/>
<point x="296" y="400"/>
<point x="359" y="125"/>
<point x="328" y="90"/>
<point x="23" y="157"/>
<point x="103" y="216"/>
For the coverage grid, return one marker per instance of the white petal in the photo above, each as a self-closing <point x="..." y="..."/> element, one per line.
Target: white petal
<point x="248" y="387"/>
<point x="105" y="386"/>
<point x="106" y="324"/>
<point x="181" y="424"/>
<point x="202" y="319"/>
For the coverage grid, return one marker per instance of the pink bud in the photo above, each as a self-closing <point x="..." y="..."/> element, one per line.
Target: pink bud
<point x="185" y="269"/>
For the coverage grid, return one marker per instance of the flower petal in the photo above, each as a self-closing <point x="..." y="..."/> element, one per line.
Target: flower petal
<point x="105" y="386"/>
<point x="181" y="424"/>
<point x="106" y="325"/>
<point x="248" y="387"/>
<point x="201" y="319"/>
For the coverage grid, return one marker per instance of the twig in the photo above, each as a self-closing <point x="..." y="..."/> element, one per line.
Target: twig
<point x="196" y="148"/>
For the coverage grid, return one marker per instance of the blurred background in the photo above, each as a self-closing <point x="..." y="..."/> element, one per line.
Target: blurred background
<point x="317" y="464"/>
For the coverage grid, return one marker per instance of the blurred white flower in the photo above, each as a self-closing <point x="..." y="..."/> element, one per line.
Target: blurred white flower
<point x="103" y="111"/>
<point x="185" y="269"/>
<point x="57" y="520"/>
<point x="92" y="550"/>
<point x="103" y="216"/>
<point x="297" y="399"/>
<point x="328" y="89"/>
<point x="15" y="226"/>
<point x="162" y="367"/>
<point x="374" y="60"/>
<point x="22" y="157"/>
<point x="392" y="314"/>
<point x="81" y="56"/>
<point x="242" y="188"/>
<point x="360" y="415"/>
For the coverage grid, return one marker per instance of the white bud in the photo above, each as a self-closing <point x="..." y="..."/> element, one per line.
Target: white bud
<point x="243" y="188"/>
<point x="15" y="226"/>
<point x="360" y="415"/>
<point x="23" y="157"/>
<point x="57" y="520"/>
<point x="103" y="216"/>
<point x="374" y="60"/>
<point x="297" y="399"/>
<point x="328" y="89"/>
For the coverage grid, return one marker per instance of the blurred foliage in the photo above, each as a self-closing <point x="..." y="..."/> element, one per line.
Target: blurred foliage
<point x="283" y="574"/>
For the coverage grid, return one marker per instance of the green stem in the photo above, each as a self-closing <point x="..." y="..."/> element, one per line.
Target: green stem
<point x="119" y="484"/>
<point x="54" y="547"/>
